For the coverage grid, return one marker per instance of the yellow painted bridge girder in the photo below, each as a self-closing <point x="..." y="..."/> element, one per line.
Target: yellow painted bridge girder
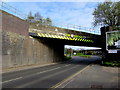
<point x="67" y="37"/>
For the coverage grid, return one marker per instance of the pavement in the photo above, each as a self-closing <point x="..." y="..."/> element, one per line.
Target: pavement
<point x="95" y="77"/>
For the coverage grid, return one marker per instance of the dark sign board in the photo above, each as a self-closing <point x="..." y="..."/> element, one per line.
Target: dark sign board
<point x="113" y="40"/>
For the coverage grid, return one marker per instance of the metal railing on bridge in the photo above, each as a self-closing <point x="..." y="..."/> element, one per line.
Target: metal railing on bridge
<point x="77" y="28"/>
<point x="12" y="10"/>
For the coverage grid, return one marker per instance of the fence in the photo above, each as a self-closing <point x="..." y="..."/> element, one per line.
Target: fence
<point x="77" y="28"/>
<point x="10" y="9"/>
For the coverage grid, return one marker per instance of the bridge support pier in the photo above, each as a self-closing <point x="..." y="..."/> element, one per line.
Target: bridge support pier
<point x="18" y="49"/>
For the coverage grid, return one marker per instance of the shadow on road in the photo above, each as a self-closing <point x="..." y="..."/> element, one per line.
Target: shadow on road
<point x="75" y="60"/>
<point x="83" y="60"/>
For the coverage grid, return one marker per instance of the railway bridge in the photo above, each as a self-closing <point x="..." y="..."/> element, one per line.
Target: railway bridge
<point x="33" y="44"/>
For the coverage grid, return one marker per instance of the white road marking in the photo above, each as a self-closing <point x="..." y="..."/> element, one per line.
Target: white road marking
<point x="12" y="79"/>
<point x="68" y="65"/>
<point x="46" y="77"/>
<point x="48" y="70"/>
<point x="52" y="69"/>
<point x="37" y="73"/>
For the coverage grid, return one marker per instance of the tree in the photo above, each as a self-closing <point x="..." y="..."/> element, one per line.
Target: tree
<point x="47" y="21"/>
<point x="69" y="51"/>
<point x="38" y="17"/>
<point x="107" y="14"/>
<point x="30" y="16"/>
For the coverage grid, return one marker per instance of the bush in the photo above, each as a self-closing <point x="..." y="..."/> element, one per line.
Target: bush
<point x="112" y="63"/>
<point x="67" y="58"/>
<point x="82" y="55"/>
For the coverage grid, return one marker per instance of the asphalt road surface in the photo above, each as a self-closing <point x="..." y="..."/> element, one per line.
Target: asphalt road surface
<point x="47" y="76"/>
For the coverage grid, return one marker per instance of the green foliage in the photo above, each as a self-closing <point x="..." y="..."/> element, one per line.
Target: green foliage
<point x="37" y="19"/>
<point x="47" y="21"/>
<point x="82" y="55"/>
<point x="113" y="37"/>
<point x="30" y="16"/>
<point x="67" y="58"/>
<point x="69" y="51"/>
<point x="89" y="53"/>
<point x="112" y="63"/>
<point x="107" y="14"/>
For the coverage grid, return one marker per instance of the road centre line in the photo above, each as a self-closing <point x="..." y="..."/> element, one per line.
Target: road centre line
<point x="46" y="77"/>
<point x="67" y="79"/>
<point x="48" y="70"/>
<point x="34" y="74"/>
<point x="52" y="69"/>
<point x="12" y="79"/>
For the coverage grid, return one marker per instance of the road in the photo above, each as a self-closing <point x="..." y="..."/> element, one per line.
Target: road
<point x="47" y="76"/>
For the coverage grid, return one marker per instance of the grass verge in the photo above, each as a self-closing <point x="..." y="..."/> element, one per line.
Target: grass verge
<point x="112" y="63"/>
<point x="67" y="58"/>
<point x="82" y="55"/>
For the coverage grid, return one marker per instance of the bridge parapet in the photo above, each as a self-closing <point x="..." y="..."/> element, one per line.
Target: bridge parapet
<point x="39" y="33"/>
<point x="60" y="33"/>
<point x="53" y="29"/>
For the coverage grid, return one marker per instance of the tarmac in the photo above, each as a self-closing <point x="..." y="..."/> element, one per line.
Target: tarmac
<point x="94" y="77"/>
<point x="25" y="67"/>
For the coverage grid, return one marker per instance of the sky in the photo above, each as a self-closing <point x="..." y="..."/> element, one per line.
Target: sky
<point x="79" y="13"/>
<point x="61" y="13"/>
<point x="81" y="47"/>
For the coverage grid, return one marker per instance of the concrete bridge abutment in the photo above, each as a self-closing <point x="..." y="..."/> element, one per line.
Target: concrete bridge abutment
<point x="18" y="49"/>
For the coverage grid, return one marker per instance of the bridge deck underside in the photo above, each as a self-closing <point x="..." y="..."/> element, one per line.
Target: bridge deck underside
<point x="67" y="40"/>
